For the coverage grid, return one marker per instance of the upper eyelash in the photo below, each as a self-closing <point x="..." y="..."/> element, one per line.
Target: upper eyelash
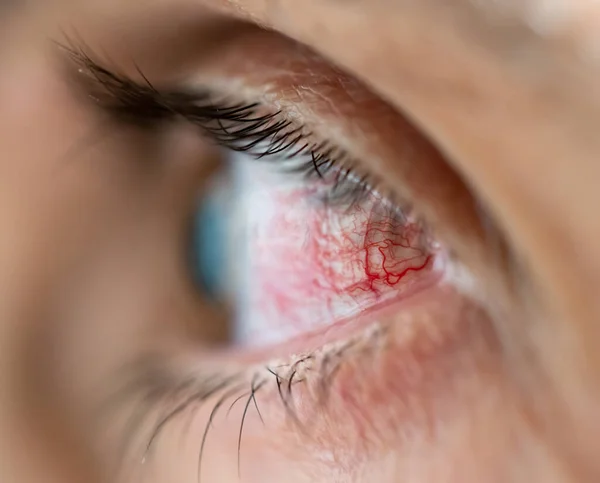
<point x="236" y="126"/>
<point x="271" y="135"/>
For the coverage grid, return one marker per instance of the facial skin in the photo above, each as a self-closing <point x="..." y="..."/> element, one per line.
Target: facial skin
<point x="481" y="114"/>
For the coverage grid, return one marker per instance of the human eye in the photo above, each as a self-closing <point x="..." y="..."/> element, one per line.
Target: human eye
<point x="316" y="240"/>
<point x="339" y="278"/>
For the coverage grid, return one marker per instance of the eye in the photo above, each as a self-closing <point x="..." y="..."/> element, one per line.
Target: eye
<point x="306" y="240"/>
<point x="345" y="316"/>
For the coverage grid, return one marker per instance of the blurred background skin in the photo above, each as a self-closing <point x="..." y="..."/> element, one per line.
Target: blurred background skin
<point x="89" y="267"/>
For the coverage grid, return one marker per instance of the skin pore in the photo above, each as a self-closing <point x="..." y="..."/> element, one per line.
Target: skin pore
<point x="478" y="114"/>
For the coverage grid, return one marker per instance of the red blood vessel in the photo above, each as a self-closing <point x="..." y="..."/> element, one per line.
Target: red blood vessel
<point x="311" y="262"/>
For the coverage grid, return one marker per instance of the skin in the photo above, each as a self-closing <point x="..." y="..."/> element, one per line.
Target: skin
<point x="495" y="381"/>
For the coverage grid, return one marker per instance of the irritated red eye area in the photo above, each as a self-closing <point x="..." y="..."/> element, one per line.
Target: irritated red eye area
<point x="311" y="263"/>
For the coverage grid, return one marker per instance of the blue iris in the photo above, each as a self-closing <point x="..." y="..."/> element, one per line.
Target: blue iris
<point x="208" y="246"/>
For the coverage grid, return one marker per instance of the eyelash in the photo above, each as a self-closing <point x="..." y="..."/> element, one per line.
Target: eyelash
<point x="165" y="395"/>
<point x="272" y="137"/>
<point x="235" y="126"/>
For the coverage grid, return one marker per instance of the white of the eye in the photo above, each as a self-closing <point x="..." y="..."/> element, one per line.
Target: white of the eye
<point x="301" y="299"/>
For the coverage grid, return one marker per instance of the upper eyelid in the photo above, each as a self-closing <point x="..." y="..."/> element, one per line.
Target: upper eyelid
<point x="143" y="103"/>
<point x="313" y="93"/>
<point x="383" y="140"/>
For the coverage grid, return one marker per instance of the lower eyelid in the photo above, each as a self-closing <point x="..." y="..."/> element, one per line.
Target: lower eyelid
<point x="402" y="375"/>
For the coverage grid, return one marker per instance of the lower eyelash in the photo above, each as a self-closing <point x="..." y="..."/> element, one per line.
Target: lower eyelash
<point x="166" y="396"/>
<point x="157" y="398"/>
